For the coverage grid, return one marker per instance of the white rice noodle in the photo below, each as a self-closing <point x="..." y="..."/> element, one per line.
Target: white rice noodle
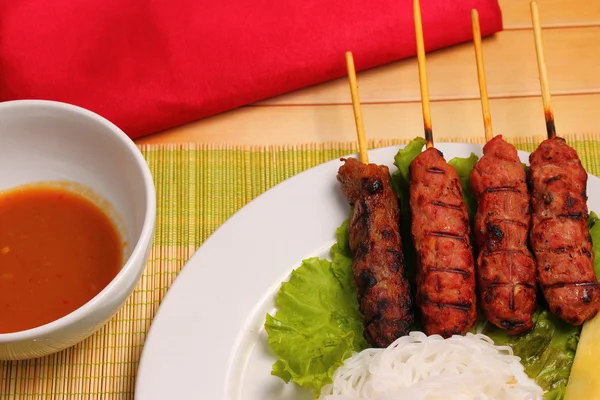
<point x="420" y="367"/>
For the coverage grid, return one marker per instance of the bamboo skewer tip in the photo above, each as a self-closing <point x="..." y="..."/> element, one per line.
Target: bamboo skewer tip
<point x="358" y="119"/>
<point x="485" y="102"/>
<point x="423" y="81"/>
<point x="543" y="75"/>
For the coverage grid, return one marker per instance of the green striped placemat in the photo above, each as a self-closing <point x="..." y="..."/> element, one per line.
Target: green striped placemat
<point x="198" y="187"/>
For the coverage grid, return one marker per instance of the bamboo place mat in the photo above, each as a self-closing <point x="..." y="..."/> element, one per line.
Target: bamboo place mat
<point x="198" y="187"/>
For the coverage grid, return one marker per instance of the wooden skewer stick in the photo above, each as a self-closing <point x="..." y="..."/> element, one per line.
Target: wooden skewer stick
<point x="360" y="129"/>
<point x="423" y="82"/>
<point x="485" y="102"/>
<point x="539" y="49"/>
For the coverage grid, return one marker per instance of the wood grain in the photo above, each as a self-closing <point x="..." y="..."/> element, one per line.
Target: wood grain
<point x="553" y="13"/>
<point x="510" y="65"/>
<point x="451" y="119"/>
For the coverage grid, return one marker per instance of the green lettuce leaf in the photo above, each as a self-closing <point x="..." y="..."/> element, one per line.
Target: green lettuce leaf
<point x="342" y="239"/>
<point x="547" y="351"/>
<point x="318" y="323"/>
<point x="404" y="157"/>
<point x="463" y="167"/>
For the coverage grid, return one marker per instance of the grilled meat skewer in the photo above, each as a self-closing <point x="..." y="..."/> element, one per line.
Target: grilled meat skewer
<point x="559" y="237"/>
<point x="378" y="262"/>
<point x="506" y="269"/>
<point x="446" y="289"/>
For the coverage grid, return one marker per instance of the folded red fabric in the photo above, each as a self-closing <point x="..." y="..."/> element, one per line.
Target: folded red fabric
<point x="148" y="65"/>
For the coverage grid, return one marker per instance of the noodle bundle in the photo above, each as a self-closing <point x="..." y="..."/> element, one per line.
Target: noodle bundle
<point x="421" y="367"/>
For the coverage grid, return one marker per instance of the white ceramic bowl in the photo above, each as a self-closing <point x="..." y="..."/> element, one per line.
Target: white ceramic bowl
<point x="44" y="140"/>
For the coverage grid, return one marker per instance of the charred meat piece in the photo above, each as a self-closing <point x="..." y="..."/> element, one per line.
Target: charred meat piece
<point x="446" y="289"/>
<point x="378" y="262"/>
<point x="506" y="269"/>
<point x="559" y="236"/>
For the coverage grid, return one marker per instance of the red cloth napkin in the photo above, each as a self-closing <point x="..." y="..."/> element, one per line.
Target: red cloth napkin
<point x="148" y="65"/>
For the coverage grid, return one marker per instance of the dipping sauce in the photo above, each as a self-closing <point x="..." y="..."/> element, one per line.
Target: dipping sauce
<point x="57" y="251"/>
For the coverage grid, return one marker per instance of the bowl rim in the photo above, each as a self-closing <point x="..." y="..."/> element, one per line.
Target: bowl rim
<point x="138" y="252"/>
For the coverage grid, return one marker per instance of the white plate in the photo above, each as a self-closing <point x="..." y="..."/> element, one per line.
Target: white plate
<point x="207" y="340"/>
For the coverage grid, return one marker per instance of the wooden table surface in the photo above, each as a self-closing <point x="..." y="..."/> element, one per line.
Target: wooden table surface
<point x="391" y="100"/>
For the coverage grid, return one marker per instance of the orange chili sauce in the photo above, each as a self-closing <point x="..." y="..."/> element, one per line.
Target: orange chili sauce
<point x="57" y="251"/>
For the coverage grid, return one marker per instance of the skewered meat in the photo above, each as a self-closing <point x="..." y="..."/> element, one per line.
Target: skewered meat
<point x="559" y="237"/>
<point x="446" y="289"/>
<point x="506" y="269"/>
<point x="378" y="261"/>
